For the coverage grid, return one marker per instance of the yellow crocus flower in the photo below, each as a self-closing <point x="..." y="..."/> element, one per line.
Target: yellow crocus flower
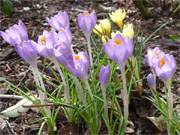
<point x="98" y="30"/>
<point x="118" y="16"/>
<point x="106" y="26"/>
<point x="128" y="31"/>
<point x="103" y="28"/>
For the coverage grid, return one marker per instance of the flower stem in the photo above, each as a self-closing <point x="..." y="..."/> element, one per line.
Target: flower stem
<point x="170" y="105"/>
<point x="154" y="77"/>
<point x="125" y="96"/>
<point x="80" y="92"/>
<point x="105" y="103"/>
<point x="89" y="89"/>
<point x="36" y="78"/>
<point x="39" y="82"/>
<point x="88" y="38"/>
<point x="66" y="87"/>
<point x="94" y="103"/>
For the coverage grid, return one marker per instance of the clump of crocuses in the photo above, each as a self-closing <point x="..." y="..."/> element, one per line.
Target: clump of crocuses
<point x="118" y="45"/>
<point x="163" y="66"/>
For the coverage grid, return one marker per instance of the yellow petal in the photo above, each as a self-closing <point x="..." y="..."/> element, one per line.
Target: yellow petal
<point x="118" y="16"/>
<point x="106" y="26"/>
<point x="98" y="30"/>
<point x="128" y="31"/>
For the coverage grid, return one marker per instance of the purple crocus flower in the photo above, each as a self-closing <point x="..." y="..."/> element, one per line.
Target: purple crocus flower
<point x="165" y="67"/>
<point x="46" y="43"/>
<point x="87" y="21"/>
<point x="60" y="20"/>
<point x="65" y="36"/>
<point x="104" y="75"/>
<point x="27" y="50"/>
<point x="79" y="66"/>
<point x="153" y="56"/>
<point x="16" y="34"/>
<point x="117" y="49"/>
<point x="63" y="54"/>
<point x="150" y="80"/>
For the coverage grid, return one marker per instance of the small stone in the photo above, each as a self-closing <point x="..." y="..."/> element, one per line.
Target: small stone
<point x="26" y="8"/>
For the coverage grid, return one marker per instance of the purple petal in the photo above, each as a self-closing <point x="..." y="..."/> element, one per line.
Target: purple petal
<point x="104" y="75"/>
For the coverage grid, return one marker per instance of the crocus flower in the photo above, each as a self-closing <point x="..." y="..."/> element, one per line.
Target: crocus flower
<point x="60" y="20"/>
<point x="104" y="75"/>
<point x="16" y="34"/>
<point x="63" y="54"/>
<point x="87" y="21"/>
<point x="150" y="80"/>
<point x="118" y="16"/>
<point x="153" y="56"/>
<point x="80" y="65"/>
<point x="128" y="41"/>
<point x="165" y="67"/>
<point x="103" y="28"/>
<point x="46" y="43"/>
<point x="117" y="49"/>
<point x="27" y="50"/>
<point x="65" y="36"/>
<point x="128" y="31"/>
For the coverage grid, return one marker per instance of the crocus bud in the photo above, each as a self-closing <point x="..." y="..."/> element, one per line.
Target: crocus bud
<point x="16" y="34"/>
<point x="117" y="49"/>
<point x="46" y="43"/>
<point x="60" y="20"/>
<point x="103" y="28"/>
<point x="87" y="21"/>
<point x="165" y="67"/>
<point x="118" y="16"/>
<point x="128" y="31"/>
<point x="104" y="75"/>
<point x="150" y="80"/>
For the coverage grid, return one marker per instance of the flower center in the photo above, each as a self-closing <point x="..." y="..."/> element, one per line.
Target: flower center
<point x="77" y="57"/>
<point x="162" y="62"/>
<point x="43" y="40"/>
<point x="117" y="41"/>
<point x="86" y="13"/>
<point x="61" y="30"/>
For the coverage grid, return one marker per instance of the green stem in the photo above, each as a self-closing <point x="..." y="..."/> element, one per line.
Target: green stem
<point x="105" y="103"/>
<point x="39" y="82"/>
<point x="154" y="77"/>
<point x="170" y="105"/>
<point x="88" y="38"/>
<point x="66" y="87"/>
<point x="89" y="89"/>
<point x="94" y="103"/>
<point x="36" y="78"/>
<point x="80" y="92"/>
<point x="125" y="96"/>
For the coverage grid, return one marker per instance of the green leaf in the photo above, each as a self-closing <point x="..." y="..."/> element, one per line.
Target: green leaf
<point x="7" y="7"/>
<point x="175" y="37"/>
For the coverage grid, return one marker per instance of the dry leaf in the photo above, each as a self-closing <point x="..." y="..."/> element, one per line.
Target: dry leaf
<point x="158" y="122"/>
<point x="17" y="109"/>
